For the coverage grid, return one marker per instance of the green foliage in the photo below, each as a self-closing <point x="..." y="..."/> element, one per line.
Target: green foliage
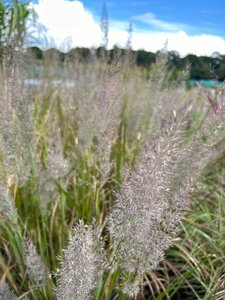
<point x="13" y="16"/>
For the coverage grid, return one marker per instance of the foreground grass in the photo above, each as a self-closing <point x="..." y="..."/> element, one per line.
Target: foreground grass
<point x="65" y="161"/>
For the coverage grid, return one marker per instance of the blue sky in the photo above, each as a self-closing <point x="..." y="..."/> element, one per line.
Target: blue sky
<point x="189" y="26"/>
<point x="199" y="16"/>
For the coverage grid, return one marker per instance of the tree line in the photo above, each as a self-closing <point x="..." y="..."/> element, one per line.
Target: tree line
<point x="200" y="67"/>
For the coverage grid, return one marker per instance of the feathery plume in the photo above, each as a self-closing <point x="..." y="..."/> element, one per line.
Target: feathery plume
<point x="7" y="203"/>
<point x="103" y="117"/>
<point x="35" y="267"/>
<point x="104" y="25"/>
<point x="6" y="293"/>
<point x="57" y="165"/>
<point x="151" y="203"/>
<point x="141" y="205"/>
<point x="107" y="111"/>
<point x="82" y="266"/>
<point x="16" y="126"/>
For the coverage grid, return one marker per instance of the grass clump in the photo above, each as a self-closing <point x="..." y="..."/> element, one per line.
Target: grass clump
<point x="107" y="189"/>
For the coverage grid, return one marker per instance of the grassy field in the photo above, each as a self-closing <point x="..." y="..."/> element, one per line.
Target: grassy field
<point x="112" y="182"/>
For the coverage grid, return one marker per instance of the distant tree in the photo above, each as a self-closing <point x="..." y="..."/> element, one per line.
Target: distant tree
<point x="175" y="60"/>
<point x="220" y="68"/>
<point x="54" y="54"/>
<point x="144" y="58"/>
<point x="36" y="52"/>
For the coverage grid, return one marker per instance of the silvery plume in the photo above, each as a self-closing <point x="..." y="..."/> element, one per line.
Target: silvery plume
<point x="6" y="293"/>
<point x="54" y="171"/>
<point x="7" y="202"/>
<point x="107" y="111"/>
<point x="16" y="124"/>
<point x="152" y="201"/>
<point x="82" y="265"/>
<point x="35" y="267"/>
<point x="102" y="117"/>
<point x="57" y="165"/>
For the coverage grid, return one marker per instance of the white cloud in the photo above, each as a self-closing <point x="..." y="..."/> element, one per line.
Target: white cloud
<point x="64" y="19"/>
<point x="180" y="41"/>
<point x="150" y="19"/>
